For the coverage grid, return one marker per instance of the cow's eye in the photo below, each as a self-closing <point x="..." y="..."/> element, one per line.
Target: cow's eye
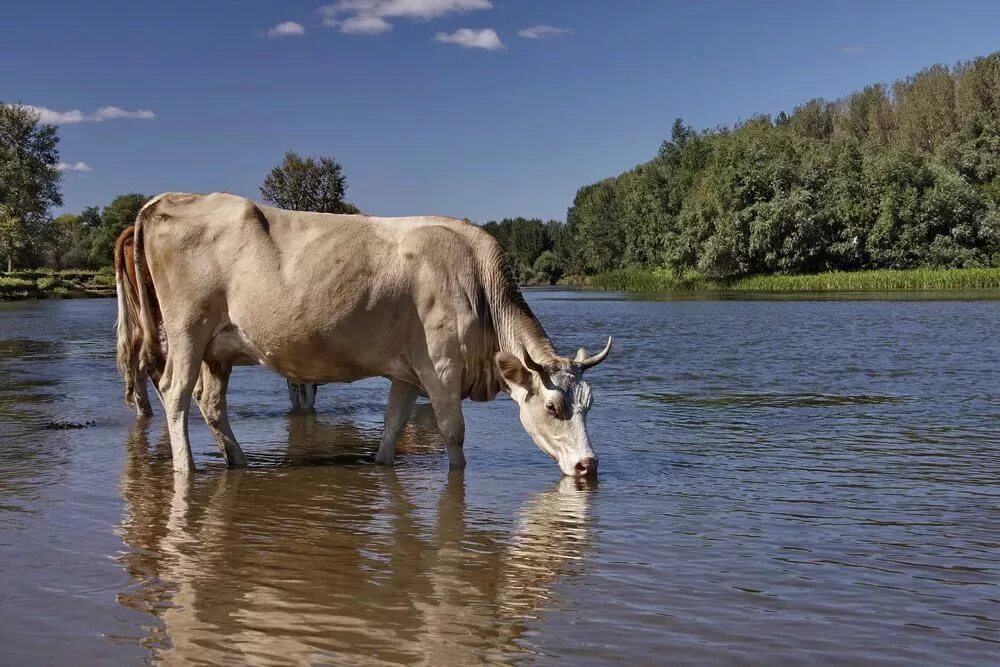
<point x="553" y="410"/>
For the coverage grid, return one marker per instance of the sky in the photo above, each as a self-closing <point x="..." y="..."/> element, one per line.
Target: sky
<point x="471" y="108"/>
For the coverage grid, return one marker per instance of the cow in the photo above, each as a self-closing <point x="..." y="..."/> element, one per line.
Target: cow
<point x="301" y="396"/>
<point x="427" y="302"/>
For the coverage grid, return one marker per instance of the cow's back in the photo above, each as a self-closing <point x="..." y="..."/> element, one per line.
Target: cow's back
<point x="317" y="296"/>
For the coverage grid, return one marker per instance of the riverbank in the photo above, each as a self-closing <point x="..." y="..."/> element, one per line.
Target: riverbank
<point x="70" y="283"/>
<point x="78" y="283"/>
<point x="662" y="280"/>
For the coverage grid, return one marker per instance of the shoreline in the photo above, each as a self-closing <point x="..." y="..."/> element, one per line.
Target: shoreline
<point x="47" y="284"/>
<point x="663" y="280"/>
<point x="79" y="284"/>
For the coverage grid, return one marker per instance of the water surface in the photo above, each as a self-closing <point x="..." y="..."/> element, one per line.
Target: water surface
<point x="782" y="481"/>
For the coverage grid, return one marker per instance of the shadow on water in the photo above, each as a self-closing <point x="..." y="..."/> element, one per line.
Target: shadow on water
<point x="307" y="564"/>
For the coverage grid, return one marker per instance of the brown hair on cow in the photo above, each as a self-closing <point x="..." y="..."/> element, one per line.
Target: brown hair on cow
<point x="129" y="331"/>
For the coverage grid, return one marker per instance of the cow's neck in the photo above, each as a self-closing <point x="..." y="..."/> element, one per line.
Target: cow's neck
<point x="517" y="329"/>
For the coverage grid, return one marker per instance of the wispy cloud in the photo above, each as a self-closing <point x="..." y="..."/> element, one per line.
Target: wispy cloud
<point x="365" y="24"/>
<point x="73" y="166"/>
<point x="371" y="17"/>
<point x="472" y="39"/>
<point x="853" y="48"/>
<point x="286" y="29"/>
<point x="543" y="32"/>
<point x="50" y="117"/>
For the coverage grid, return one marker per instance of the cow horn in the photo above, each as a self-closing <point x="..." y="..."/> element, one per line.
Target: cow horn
<point x="590" y="362"/>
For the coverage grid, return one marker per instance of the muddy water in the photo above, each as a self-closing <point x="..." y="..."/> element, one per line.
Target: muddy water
<point x="782" y="482"/>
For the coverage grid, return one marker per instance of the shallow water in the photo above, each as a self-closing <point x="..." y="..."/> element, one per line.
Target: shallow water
<point x="783" y="481"/>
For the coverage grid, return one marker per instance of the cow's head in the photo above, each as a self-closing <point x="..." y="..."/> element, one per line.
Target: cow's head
<point x="554" y="401"/>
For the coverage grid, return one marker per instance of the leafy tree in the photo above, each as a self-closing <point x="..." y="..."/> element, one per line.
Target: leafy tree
<point x="307" y="184"/>
<point x="523" y="240"/>
<point x="12" y="237"/>
<point x="68" y="243"/>
<point x="547" y="268"/>
<point x="29" y="180"/>
<point x="115" y="217"/>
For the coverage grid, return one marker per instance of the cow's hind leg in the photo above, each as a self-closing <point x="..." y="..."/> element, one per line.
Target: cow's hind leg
<point x="302" y="396"/>
<point x="176" y="385"/>
<point x="397" y="411"/>
<point x="211" y="396"/>
<point x="140" y="397"/>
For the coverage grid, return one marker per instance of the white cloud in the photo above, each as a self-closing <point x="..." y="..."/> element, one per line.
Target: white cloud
<point x="542" y="32"/>
<point x="369" y="17"/>
<point x="73" y="166"/>
<point x="472" y="39"/>
<point x="286" y="29"/>
<point x="853" y="48"/>
<point x="110" y="113"/>
<point x="365" y="24"/>
<point x="50" y="117"/>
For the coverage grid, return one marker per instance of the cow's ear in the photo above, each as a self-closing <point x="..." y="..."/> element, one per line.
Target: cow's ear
<point x="513" y="371"/>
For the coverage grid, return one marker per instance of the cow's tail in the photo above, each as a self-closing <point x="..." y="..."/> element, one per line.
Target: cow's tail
<point x="152" y="357"/>
<point x="129" y="331"/>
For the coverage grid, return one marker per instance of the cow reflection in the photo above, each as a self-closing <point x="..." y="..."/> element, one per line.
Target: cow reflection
<point x="336" y="563"/>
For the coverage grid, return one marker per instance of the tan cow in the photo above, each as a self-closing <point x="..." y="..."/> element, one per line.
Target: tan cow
<point x="301" y="396"/>
<point x="425" y="301"/>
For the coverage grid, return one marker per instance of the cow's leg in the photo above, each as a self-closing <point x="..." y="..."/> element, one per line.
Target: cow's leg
<point x="211" y="396"/>
<point x="302" y="396"/>
<point x="140" y="397"/>
<point x="176" y="385"/>
<point x="443" y="386"/>
<point x="397" y="411"/>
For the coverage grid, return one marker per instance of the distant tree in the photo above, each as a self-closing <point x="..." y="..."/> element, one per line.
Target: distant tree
<point x="925" y="108"/>
<point x="814" y="119"/>
<point x="68" y="243"/>
<point x="90" y="217"/>
<point x="115" y="217"/>
<point x="307" y="184"/>
<point x="29" y="180"/>
<point x="547" y="268"/>
<point x="12" y="237"/>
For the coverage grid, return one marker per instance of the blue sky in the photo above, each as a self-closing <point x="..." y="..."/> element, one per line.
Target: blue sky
<point x="429" y="111"/>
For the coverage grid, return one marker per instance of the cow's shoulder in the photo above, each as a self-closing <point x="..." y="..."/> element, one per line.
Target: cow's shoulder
<point x="219" y="208"/>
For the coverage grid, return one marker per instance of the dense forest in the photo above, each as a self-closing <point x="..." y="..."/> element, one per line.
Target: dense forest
<point x="893" y="176"/>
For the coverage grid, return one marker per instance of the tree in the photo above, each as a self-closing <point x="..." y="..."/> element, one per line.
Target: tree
<point x="68" y="243"/>
<point x="115" y="217"/>
<point x="11" y="236"/>
<point x="307" y="184"/>
<point x="29" y="180"/>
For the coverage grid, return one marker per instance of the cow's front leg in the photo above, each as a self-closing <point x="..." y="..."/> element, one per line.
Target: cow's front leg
<point x="397" y="411"/>
<point x="447" y="405"/>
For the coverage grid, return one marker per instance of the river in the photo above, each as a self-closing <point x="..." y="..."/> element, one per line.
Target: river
<point x="782" y="481"/>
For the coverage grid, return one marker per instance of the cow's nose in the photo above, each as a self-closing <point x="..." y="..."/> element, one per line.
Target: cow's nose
<point x="587" y="466"/>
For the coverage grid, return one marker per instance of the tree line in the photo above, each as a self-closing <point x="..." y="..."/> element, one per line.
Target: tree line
<point x="895" y="176"/>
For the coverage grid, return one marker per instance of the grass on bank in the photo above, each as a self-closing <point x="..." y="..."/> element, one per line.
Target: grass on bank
<point x="661" y="280"/>
<point x="48" y="283"/>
